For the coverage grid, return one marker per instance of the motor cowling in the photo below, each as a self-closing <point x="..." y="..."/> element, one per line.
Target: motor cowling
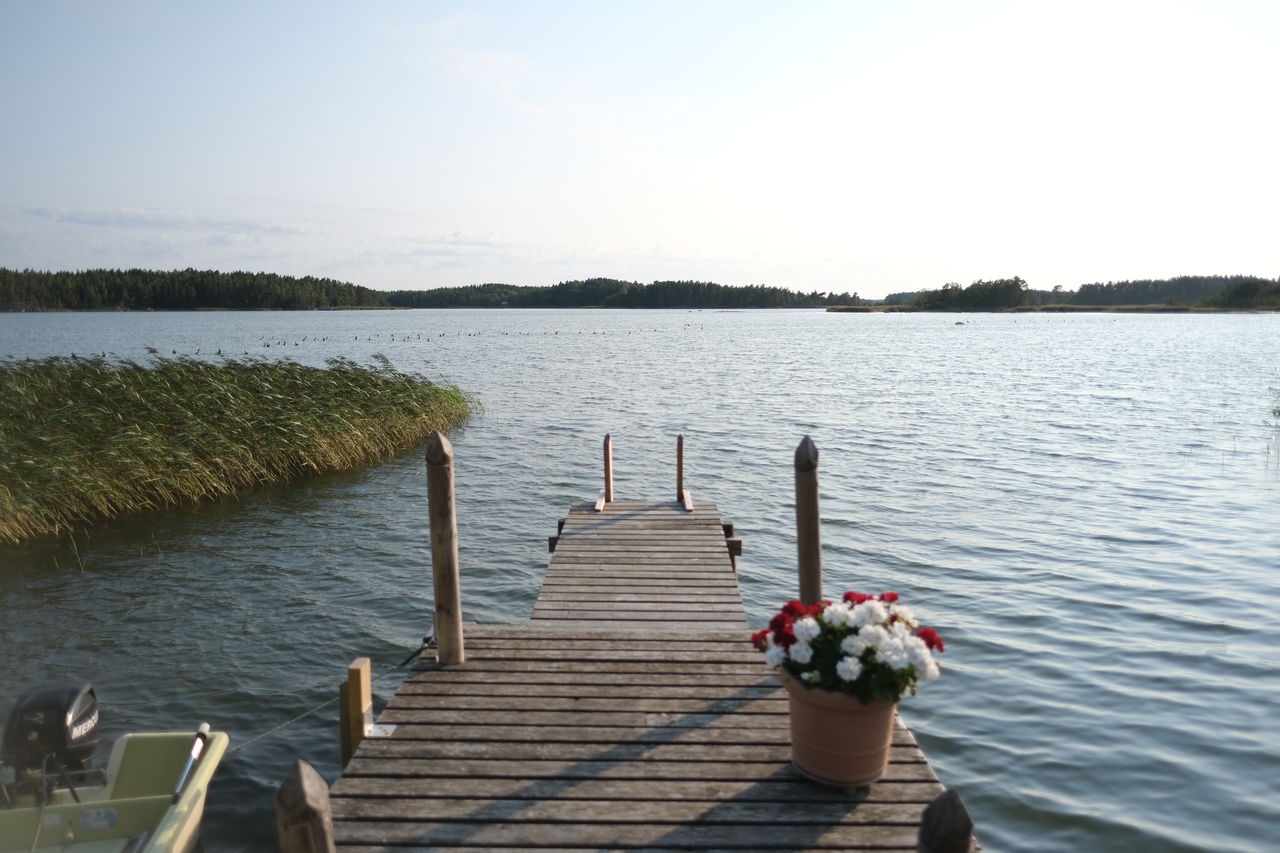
<point x="55" y="725"/>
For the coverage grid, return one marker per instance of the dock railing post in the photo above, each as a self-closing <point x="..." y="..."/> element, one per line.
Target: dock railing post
<point x="355" y="707"/>
<point x="608" y="467"/>
<point x="682" y="494"/>
<point x="304" y="819"/>
<point x="444" y="551"/>
<point x="680" y="467"/>
<point x="808" y="534"/>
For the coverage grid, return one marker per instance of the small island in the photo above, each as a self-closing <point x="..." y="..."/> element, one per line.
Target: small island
<point x="1182" y="294"/>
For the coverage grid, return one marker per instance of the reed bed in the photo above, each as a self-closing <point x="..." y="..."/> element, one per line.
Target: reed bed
<point x="87" y="439"/>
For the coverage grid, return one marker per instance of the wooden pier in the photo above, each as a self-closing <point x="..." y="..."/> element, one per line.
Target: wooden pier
<point x="631" y="712"/>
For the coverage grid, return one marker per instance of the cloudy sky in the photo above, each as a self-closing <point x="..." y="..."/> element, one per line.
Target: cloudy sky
<point x="846" y="145"/>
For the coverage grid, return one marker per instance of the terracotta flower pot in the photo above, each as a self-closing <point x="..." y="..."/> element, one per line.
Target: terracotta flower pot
<point x="835" y="738"/>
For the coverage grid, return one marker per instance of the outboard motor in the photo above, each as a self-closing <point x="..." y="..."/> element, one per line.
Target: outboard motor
<point x="52" y="728"/>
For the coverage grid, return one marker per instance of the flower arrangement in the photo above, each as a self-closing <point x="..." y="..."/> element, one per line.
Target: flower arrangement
<point x="868" y="646"/>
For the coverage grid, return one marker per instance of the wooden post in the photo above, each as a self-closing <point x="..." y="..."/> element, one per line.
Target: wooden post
<point x="680" y="467"/>
<point x="808" y="536"/>
<point x="682" y="494"/>
<point x="608" y="467"/>
<point x="355" y="706"/>
<point x="304" y="822"/>
<point x="444" y="551"/>
<point x="946" y="826"/>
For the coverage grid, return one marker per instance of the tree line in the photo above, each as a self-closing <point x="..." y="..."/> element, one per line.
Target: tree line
<point x="176" y="290"/>
<point x="1215" y="291"/>
<point x="613" y="293"/>
<point x="191" y="289"/>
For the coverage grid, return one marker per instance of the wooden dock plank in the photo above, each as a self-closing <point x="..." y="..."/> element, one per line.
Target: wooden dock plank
<point x="606" y="563"/>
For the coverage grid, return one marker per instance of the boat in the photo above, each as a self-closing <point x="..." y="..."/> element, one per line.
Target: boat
<point x="148" y="798"/>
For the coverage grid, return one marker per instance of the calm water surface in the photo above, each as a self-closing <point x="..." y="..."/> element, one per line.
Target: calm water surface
<point x="1084" y="506"/>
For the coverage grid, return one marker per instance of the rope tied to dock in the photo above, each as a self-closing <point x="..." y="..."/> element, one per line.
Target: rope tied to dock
<point x="391" y="670"/>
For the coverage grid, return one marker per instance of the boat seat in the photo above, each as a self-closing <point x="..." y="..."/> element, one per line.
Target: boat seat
<point x="147" y="764"/>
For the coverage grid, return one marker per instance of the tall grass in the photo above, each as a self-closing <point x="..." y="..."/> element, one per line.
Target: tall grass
<point x="87" y="439"/>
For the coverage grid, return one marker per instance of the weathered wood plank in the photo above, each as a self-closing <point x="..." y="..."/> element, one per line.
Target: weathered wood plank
<point x="403" y="716"/>
<point x="631" y="704"/>
<point x="602" y="623"/>
<point x="778" y="787"/>
<point x="665" y="811"/>
<point x="570" y="641"/>
<point x="675" y="535"/>
<point x="600" y="734"/>
<point x="428" y="674"/>
<point x="572" y="668"/>
<point x="403" y="765"/>
<point x="495" y="828"/>
<point x="494" y="630"/>
<point x="608" y="686"/>
<point x="585" y="593"/>
<point x="664" y="607"/>
<point x="639" y="576"/>
<point x="646" y="614"/>
<point x="649" y="757"/>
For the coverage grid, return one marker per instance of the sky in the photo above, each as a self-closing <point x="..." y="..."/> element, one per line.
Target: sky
<point x="870" y="147"/>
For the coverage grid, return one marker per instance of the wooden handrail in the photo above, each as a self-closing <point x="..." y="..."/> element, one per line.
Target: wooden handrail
<point x="808" y="535"/>
<point x="444" y="551"/>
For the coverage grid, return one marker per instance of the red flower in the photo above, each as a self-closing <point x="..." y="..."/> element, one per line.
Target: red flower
<point x="758" y="639"/>
<point x="857" y="597"/>
<point x="888" y="597"/>
<point x="931" y="639"/>
<point x="795" y="609"/>
<point x="784" y="637"/>
<point x="816" y="609"/>
<point x="780" y="622"/>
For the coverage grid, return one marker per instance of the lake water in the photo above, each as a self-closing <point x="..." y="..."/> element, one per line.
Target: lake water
<point x="1084" y="506"/>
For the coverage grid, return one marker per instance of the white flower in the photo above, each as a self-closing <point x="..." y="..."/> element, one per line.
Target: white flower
<point x="838" y="615"/>
<point x="869" y="612"/>
<point x="893" y="654"/>
<point x="775" y="656"/>
<point x="811" y="676"/>
<point x="800" y="652"/>
<point x="900" y="630"/>
<point x="917" y="650"/>
<point x="904" y="614"/>
<point x="928" y="670"/>
<point x="806" y="629"/>
<point x="870" y="637"/>
<point x="849" y="668"/>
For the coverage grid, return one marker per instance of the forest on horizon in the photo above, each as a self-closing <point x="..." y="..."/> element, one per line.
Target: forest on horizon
<point x="191" y="289"/>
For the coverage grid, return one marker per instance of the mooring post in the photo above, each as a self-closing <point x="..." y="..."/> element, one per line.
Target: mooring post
<point x="304" y="820"/>
<point x="945" y="826"/>
<point x="680" y="467"/>
<point x="682" y="494"/>
<point x="444" y="551"/>
<point x="808" y="535"/>
<point x="355" y="707"/>
<point x="608" y="467"/>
